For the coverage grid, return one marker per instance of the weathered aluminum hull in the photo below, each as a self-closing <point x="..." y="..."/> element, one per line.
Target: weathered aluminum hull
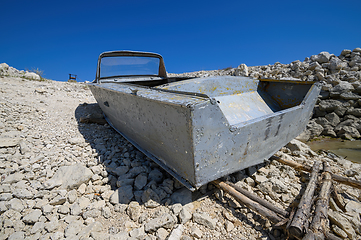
<point x="204" y="128"/>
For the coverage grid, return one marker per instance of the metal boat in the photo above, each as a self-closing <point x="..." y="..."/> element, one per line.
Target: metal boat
<point x="199" y="129"/>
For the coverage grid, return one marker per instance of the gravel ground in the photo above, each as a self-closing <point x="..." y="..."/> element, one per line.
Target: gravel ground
<point x="63" y="179"/>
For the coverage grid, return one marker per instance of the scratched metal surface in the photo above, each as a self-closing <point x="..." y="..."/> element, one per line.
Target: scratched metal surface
<point x="237" y="122"/>
<point x="157" y="122"/>
<point x="214" y="86"/>
<point x="222" y="149"/>
<point x="285" y="94"/>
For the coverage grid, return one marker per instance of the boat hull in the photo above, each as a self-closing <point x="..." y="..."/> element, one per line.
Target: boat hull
<point x="201" y="129"/>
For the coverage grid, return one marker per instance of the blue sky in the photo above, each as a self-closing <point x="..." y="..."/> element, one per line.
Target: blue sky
<point x="62" y="37"/>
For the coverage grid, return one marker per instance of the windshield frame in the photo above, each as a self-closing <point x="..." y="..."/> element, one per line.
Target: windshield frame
<point x="161" y="69"/>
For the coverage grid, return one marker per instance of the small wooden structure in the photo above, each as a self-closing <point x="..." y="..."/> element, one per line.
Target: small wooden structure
<point x="72" y="77"/>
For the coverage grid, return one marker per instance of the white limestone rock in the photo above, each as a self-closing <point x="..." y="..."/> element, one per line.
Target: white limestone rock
<point x="205" y="220"/>
<point x="69" y="177"/>
<point x="166" y="220"/>
<point x="13" y="178"/>
<point x="176" y="233"/>
<point x="32" y="75"/>
<point x="32" y="217"/>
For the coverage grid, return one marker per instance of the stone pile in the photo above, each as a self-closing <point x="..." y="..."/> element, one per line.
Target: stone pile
<point x="63" y="179"/>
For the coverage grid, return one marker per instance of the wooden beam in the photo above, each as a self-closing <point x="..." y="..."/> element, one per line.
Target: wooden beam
<point x="299" y="222"/>
<point x="301" y="167"/>
<point x="272" y="216"/>
<point x="261" y="201"/>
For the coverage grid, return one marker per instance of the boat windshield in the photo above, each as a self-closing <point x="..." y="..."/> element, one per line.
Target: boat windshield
<point x="128" y="66"/>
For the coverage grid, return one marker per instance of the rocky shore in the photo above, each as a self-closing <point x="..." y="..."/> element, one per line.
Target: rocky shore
<point x="65" y="179"/>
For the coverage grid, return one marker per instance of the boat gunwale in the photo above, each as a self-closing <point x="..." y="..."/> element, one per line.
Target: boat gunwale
<point x="193" y="94"/>
<point x="204" y="97"/>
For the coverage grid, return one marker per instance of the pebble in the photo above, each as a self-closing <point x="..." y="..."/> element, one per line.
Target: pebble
<point x="106" y="212"/>
<point x="58" y="200"/>
<point x="63" y="209"/>
<point x="47" y="209"/>
<point x="6" y="196"/>
<point x="165" y="221"/>
<point x="38" y="227"/>
<point x="176" y="233"/>
<point x="92" y="213"/>
<point x="15" y="204"/>
<point x="155" y="175"/>
<point x="134" y="210"/>
<point x="184" y="216"/>
<point x="17" y="236"/>
<point x="73" y="229"/>
<point x="51" y="226"/>
<point x="140" y="181"/>
<point x="204" y="219"/>
<point x="22" y="193"/>
<point x="138" y="233"/>
<point x="84" y="202"/>
<point x="196" y="232"/>
<point x="229" y="226"/>
<point x="72" y="196"/>
<point x="176" y="208"/>
<point x="32" y="217"/>
<point x="69" y="177"/>
<point x="13" y="178"/>
<point x="162" y="234"/>
<point x="122" y="195"/>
